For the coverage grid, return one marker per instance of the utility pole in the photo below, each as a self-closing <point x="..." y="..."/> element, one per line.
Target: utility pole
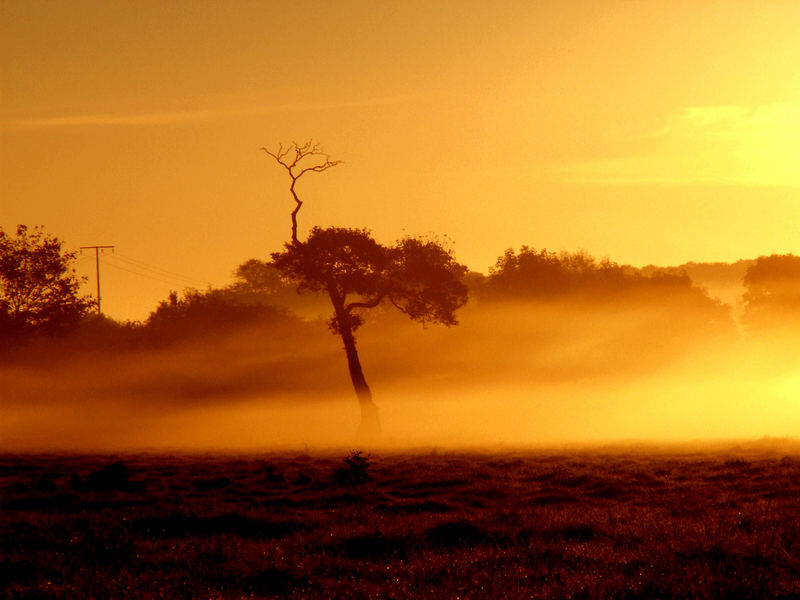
<point x="97" y="267"/>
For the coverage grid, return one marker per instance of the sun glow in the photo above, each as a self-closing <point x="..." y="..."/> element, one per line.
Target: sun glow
<point x="787" y="391"/>
<point x="720" y="145"/>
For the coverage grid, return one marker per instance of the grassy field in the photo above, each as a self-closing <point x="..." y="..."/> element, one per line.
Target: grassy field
<point x="614" y="523"/>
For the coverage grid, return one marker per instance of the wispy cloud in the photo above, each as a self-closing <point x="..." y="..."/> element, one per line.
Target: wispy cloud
<point x="188" y="116"/>
<point x="727" y="144"/>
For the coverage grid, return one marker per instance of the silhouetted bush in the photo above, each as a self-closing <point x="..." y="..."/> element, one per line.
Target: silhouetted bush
<point x="580" y="532"/>
<point x="211" y="483"/>
<point x="413" y="508"/>
<point x="178" y="525"/>
<point x="277" y="582"/>
<point x="372" y="546"/>
<point x="45" y="484"/>
<point x="216" y="311"/>
<point x="302" y="478"/>
<point x="272" y="473"/>
<point x="113" y="477"/>
<point x="16" y="571"/>
<point x="456" y="534"/>
<point x="354" y="471"/>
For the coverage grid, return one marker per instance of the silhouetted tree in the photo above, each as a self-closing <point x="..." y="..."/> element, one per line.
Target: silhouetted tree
<point x="532" y="273"/>
<point x="772" y="296"/>
<point x="213" y="313"/>
<point x="39" y="291"/>
<point x="419" y="277"/>
<point x="668" y="294"/>
<point x="258" y="276"/>
<point x="262" y="280"/>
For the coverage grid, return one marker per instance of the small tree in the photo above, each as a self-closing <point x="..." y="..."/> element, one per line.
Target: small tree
<point x="419" y="277"/>
<point x="38" y="287"/>
<point x="772" y="299"/>
<point x="257" y="276"/>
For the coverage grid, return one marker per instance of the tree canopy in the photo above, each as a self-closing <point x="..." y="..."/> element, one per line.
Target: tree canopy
<point x="532" y="273"/>
<point x="421" y="278"/>
<point x="39" y="289"/>
<point x="772" y="297"/>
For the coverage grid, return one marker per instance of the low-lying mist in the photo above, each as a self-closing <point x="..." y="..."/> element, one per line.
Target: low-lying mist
<point x="513" y="373"/>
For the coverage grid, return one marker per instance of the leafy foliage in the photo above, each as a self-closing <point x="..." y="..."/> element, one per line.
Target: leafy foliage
<point x="426" y="281"/>
<point x="419" y="277"/>
<point x="38" y="288"/>
<point x="257" y="276"/>
<point x="348" y="259"/>
<point x="772" y="298"/>
<point x="542" y="275"/>
<point x="214" y="311"/>
<point x="355" y="470"/>
<point x="533" y="273"/>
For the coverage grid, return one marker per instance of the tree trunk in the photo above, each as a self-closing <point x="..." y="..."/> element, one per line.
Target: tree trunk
<point x="370" y="427"/>
<point x="370" y="423"/>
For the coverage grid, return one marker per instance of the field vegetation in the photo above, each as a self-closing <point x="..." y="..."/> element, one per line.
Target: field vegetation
<point x="575" y="523"/>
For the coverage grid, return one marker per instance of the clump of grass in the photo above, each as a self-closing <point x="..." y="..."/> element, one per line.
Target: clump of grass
<point x="273" y="581"/>
<point x="456" y="534"/>
<point x="113" y="477"/>
<point x="355" y="470"/>
<point x="181" y="526"/>
<point x="270" y="582"/>
<point x="579" y="532"/>
<point x="272" y="473"/>
<point x="211" y="483"/>
<point x="302" y="478"/>
<point x="45" y="485"/>
<point x="372" y="546"/>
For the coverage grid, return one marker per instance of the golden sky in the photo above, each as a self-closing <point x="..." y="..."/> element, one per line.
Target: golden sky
<point x="648" y="132"/>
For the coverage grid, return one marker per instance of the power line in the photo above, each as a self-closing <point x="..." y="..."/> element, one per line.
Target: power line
<point x="97" y="266"/>
<point x="141" y="269"/>
<point x="160" y="271"/>
<point x="147" y="276"/>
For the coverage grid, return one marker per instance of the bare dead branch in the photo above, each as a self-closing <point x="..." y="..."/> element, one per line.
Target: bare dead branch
<point x="310" y="150"/>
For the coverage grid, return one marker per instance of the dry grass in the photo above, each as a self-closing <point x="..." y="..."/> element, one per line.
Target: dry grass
<point x="619" y="524"/>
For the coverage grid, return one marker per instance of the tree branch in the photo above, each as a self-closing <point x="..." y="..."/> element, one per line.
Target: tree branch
<point x="310" y="149"/>
<point x="369" y="304"/>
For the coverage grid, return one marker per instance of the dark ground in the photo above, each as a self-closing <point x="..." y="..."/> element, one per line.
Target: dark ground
<point x="617" y="523"/>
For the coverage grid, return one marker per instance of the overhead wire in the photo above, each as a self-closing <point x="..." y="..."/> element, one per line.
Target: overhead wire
<point x="162" y="280"/>
<point x="143" y="269"/>
<point x="160" y="271"/>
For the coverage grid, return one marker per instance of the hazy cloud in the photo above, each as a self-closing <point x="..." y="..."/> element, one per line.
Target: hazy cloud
<point x="727" y="145"/>
<point x="187" y="116"/>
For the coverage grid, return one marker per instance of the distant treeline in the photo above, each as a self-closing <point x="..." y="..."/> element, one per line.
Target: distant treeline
<point x="258" y="297"/>
<point x="536" y="317"/>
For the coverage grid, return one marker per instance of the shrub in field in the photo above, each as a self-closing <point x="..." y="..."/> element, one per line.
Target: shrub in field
<point x="113" y="477"/>
<point x="271" y="473"/>
<point x="456" y="534"/>
<point x="372" y="546"/>
<point x="273" y="581"/>
<point x="181" y="525"/>
<point x="354" y="471"/>
<point x="211" y="483"/>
